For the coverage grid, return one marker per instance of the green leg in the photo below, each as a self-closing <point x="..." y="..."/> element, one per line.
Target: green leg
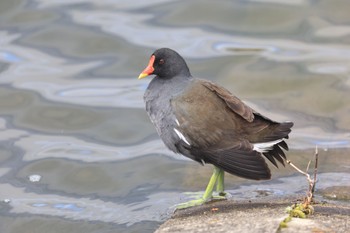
<point x="220" y="186"/>
<point x="208" y="194"/>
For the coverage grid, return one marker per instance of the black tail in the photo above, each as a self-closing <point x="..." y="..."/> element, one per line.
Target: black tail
<point x="245" y="163"/>
<point x="276" y="153"/>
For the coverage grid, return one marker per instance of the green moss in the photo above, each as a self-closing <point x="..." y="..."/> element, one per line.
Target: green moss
<point x="296" y="211"/>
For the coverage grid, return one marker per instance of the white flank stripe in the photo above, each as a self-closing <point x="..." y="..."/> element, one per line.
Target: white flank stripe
<point x="265" y="146"/>
<point x="181" y="136"/>
<point x="177" y="122"/>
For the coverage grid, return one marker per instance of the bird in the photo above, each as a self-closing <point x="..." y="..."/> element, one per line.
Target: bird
<point x="208" y="124"/>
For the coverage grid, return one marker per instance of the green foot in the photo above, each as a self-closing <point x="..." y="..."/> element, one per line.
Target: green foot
<point x="218" y="179"/>
<point x="219" y="197"/>
<point x="190" y="204"/>
<point x="200" y="201"/>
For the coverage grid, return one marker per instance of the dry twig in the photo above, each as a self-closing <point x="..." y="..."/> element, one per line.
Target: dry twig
<point x="305" y="208"/>
<point x="311" y="181"/>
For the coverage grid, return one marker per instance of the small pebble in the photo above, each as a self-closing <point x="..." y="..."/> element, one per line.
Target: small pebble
<point x="34" y="178"/>
<point x="6" y="201"/>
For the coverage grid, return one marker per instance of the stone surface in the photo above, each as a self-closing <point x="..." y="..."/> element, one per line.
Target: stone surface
<point x="256" y="216"/>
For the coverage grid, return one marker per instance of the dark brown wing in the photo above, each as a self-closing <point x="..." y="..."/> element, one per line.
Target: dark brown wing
<point x="204" y="118"/>
<point x="261" y="128"/>
<point x="234" y="103"/>
<point x="216" y="134"/>
<point x="221" y="130"/>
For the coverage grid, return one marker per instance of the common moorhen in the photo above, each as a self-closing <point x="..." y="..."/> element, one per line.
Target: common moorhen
<point x="205" y="122"/>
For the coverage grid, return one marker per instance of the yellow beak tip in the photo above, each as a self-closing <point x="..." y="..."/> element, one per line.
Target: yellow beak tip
<point x="142" y="75"/>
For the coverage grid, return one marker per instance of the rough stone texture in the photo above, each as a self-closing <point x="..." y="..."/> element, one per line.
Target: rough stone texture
<point x="230" y="216"/>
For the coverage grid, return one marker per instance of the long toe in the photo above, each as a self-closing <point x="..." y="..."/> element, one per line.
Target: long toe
<point x="192" y="203"/>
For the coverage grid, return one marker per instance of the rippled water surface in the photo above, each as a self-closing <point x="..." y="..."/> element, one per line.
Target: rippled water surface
<point x="77" y="150"/>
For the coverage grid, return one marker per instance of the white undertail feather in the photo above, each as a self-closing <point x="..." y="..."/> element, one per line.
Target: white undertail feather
<point x="265" y="146"/>
<point x="181" y="136"/>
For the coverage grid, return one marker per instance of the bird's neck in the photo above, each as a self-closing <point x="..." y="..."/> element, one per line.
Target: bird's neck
<point x="172" y="85"/>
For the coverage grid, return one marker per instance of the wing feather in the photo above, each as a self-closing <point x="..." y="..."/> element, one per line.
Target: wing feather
<point x="221" y="130"/>
<point x="233" y="102"/>
<point x="240" y="160"/>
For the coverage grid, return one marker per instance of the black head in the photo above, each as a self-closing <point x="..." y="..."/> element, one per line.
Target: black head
<point x="166" y="63"/>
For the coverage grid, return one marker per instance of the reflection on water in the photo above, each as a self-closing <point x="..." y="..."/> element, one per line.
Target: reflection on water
<point x="145" y="210"/>
<point x="75" y="142"/>
<point x="89" y="209"/>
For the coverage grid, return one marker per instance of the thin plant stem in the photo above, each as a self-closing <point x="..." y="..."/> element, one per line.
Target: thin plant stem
<point x="312" y="182"/>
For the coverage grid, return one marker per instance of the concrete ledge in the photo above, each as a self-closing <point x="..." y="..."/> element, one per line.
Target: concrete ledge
<point x="256" y="216"/>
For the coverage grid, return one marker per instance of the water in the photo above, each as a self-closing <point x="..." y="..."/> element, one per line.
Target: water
<point x="77" y="150"/>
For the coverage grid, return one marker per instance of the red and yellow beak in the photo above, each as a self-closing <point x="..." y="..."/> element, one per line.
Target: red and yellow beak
<point x="149" y="69"/>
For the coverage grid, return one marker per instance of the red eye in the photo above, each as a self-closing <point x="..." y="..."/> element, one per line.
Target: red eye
<point x="161" y="62"/>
